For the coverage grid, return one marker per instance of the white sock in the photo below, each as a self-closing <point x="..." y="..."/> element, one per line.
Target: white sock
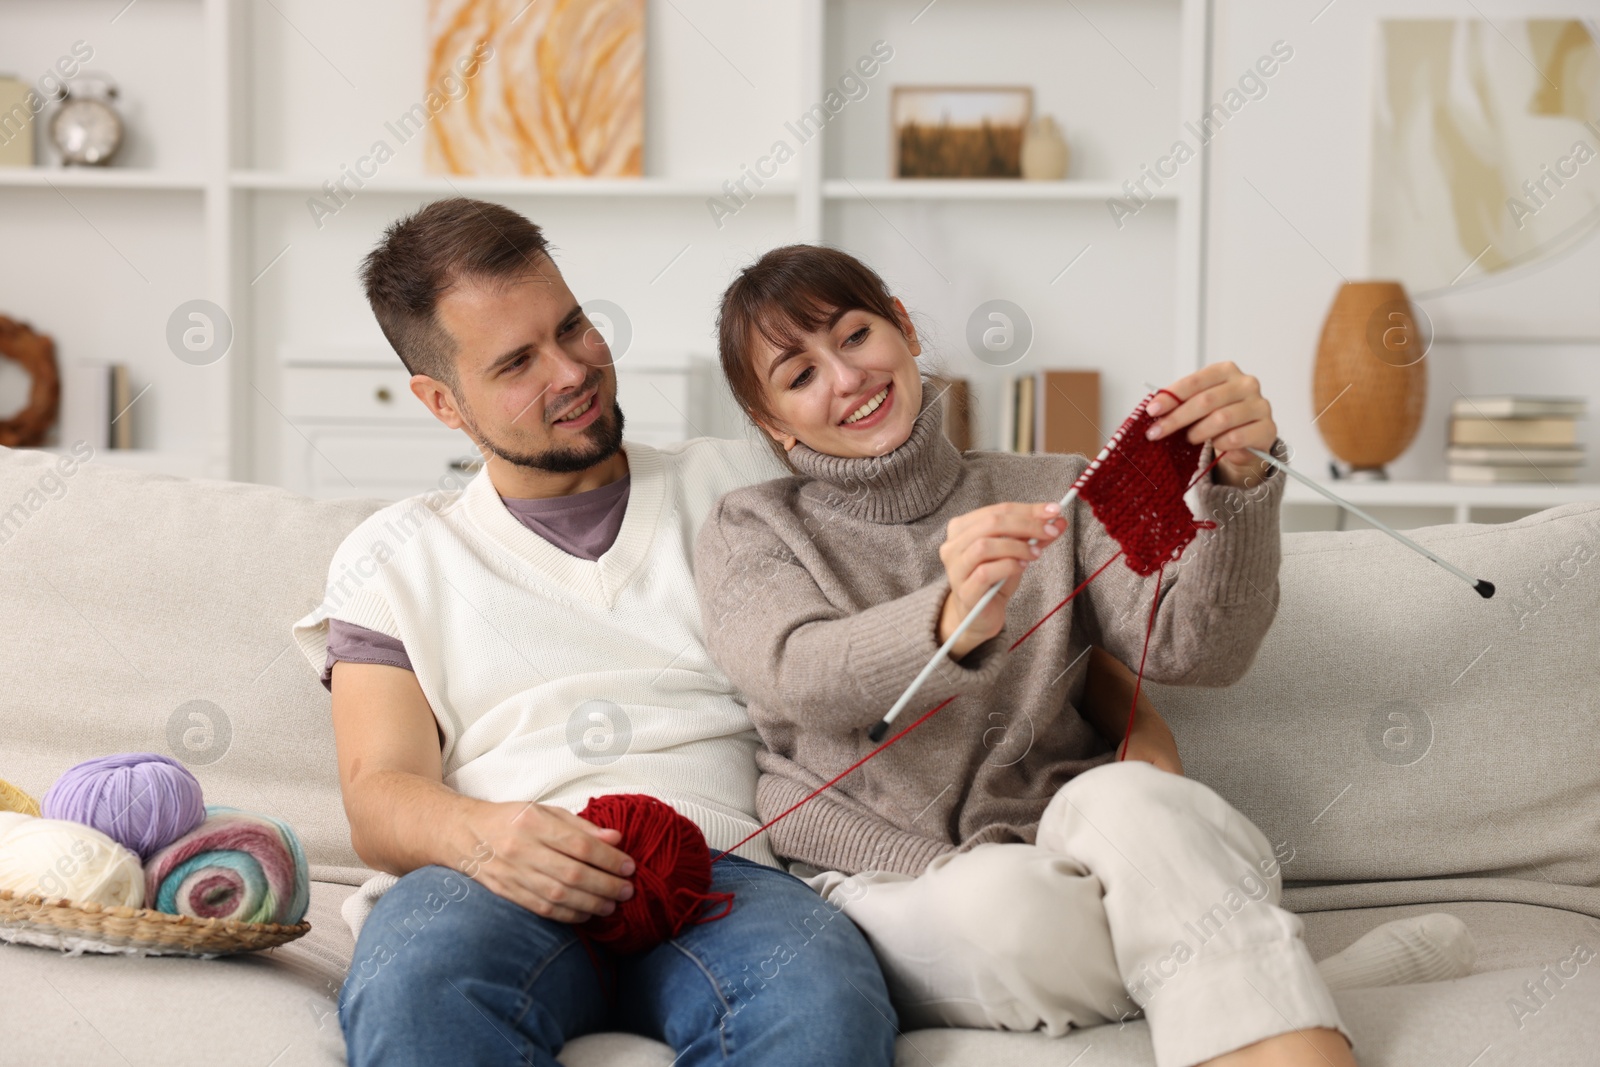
<point x="1427" y="948"/>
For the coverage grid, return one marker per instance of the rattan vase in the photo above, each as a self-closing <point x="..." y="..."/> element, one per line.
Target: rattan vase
<point x="1370" y="381"/>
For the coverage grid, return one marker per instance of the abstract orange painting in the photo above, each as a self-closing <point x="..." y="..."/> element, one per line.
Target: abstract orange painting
<point x="560" y="94"/>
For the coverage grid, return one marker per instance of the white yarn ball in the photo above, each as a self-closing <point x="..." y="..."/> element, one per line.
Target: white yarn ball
<point x="57" y="858"/>
<point x="8" y="819"/>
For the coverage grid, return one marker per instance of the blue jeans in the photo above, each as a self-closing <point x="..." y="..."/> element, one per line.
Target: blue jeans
<point x="447" y="971"/>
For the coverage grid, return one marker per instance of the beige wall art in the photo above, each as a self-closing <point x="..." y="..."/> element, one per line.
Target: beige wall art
<point x="561" y="94"/>
<point x="1486" y="150"/>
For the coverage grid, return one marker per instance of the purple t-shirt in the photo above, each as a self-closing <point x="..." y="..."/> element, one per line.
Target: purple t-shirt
<point x="583" y="525"/>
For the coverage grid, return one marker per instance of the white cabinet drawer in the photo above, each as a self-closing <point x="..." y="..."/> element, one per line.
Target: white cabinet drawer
<point x="353" y="393"/>
<point x="387" y="464"/>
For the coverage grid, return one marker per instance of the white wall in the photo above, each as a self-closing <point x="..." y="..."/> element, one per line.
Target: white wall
<point x="1279" y="251"/>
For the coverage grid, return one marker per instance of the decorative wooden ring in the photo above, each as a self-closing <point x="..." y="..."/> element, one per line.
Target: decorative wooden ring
<point x="37" y="355"/>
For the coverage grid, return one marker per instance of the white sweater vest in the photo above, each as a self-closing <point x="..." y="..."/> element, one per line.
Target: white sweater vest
<point x="555" y="679"/>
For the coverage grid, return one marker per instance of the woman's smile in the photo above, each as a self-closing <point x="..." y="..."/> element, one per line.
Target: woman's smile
<point x="874" y="411"/>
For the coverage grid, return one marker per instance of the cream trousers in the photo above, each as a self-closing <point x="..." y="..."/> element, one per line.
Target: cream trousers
<point x="1145" y="891"/>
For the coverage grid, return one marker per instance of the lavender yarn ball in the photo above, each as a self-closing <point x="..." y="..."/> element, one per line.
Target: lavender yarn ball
<point x="141" y="800"/>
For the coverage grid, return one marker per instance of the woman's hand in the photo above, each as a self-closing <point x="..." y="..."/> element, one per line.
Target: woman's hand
<point x="1152" y="740"/>
<point x="986" y="546"/>
<point x="1108" y="690"/>
<point x="1224" y="405"/>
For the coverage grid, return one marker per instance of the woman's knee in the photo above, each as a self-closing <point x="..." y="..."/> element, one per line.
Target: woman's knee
<point x="1133" y="800"/>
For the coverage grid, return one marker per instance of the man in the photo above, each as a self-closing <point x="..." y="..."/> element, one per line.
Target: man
<point x="500" y="655"/>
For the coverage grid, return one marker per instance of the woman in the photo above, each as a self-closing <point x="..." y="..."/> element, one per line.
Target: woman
<point x="1008" y="873"/>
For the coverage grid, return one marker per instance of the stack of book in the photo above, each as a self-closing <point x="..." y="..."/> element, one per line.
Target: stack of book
<point x="1052" y="411"/>
<point x="1515" y="439"/>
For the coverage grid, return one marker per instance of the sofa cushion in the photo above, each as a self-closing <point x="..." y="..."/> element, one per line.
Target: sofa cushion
<point x="150" y="613"/>
<point x="244" y="1010"/>
<point x="234" y="1011"/>
<point x="1395" y="725"/>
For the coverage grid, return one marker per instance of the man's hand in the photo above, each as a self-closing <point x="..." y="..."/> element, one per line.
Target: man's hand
<point x="986" y="546"/>
<point x="550" y="861"/>
<point x="1224" y="405"/>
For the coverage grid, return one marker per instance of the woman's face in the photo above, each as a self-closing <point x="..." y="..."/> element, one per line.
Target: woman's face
<point x="852" y="389"/>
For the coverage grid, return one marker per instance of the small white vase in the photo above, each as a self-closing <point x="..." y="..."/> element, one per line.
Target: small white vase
<point x="1045" y="154"/>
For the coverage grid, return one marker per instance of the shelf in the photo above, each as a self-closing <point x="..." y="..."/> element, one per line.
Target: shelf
<point x="311" y="184"/>
<point x="1445" y="494"/>
<point x="100" y="178"/>
<point x="974" y="189"/>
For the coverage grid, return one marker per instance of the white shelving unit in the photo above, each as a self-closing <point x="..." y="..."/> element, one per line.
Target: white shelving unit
<point x="975" y="189"/>
<point x="311" y="185"/>
<point x="227" y="148"/>
<point x="41" y="178"/>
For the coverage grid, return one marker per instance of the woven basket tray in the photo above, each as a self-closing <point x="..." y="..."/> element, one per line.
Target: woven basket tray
<point x="51" y="922"/>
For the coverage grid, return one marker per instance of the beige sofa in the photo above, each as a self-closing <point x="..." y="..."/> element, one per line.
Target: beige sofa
<point x="1407" y="746"/>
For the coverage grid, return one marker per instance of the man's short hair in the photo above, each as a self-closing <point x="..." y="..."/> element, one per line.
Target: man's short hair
<point x="424" y="255"/>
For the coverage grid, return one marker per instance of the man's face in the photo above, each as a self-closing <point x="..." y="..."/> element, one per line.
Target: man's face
<point x="535" y="382"/>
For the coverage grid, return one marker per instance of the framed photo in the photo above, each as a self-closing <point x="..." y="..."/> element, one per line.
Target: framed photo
<point x="959" y="131"/>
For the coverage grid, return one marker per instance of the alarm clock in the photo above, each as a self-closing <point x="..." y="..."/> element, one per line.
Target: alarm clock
<point x="86" y="129"/>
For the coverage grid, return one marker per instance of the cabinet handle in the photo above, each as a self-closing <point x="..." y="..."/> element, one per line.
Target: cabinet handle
<point x="466" y="466"/>
<point x="383" y="394"/>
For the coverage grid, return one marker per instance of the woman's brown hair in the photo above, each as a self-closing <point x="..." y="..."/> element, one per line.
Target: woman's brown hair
<point x="793" y="290"/>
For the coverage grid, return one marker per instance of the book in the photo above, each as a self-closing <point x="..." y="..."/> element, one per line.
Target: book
<point x="1025" y="436"/>
<point x="120" y="419"/>
<point x="1052" y="411"/>
<point x="16" y="138"/>
<point x="1516" y="407"/>
<point x="86" y="405"/>
<point x="1549" y="432"/>
<point x="1490" y="475"/>
<point x="1008" y="416"/>
<point x="1515" y="457"/>
<point x="1067" y="412"/>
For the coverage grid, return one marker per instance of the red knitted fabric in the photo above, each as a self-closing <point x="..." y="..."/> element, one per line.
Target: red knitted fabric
<point x="1137" y="492"/>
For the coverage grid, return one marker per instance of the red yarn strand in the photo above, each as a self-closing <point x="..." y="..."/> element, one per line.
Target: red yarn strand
<point x="836" y="779"/>
<point x="1116" y="556"/>
<point x="1127" y="732"/>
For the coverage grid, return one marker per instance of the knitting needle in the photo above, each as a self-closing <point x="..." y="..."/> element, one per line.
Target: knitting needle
<point x="878" y="732"/>
<point x="1484" y="588"/>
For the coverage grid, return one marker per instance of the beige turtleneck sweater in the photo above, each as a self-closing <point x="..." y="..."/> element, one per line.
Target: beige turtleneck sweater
<point x="821" y="595"/>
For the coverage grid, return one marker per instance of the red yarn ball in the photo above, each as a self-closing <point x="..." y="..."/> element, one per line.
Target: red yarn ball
<point x="672" y="880"/>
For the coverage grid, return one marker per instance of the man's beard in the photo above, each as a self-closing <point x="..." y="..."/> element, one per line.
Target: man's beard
<point x="599" y="441"/>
